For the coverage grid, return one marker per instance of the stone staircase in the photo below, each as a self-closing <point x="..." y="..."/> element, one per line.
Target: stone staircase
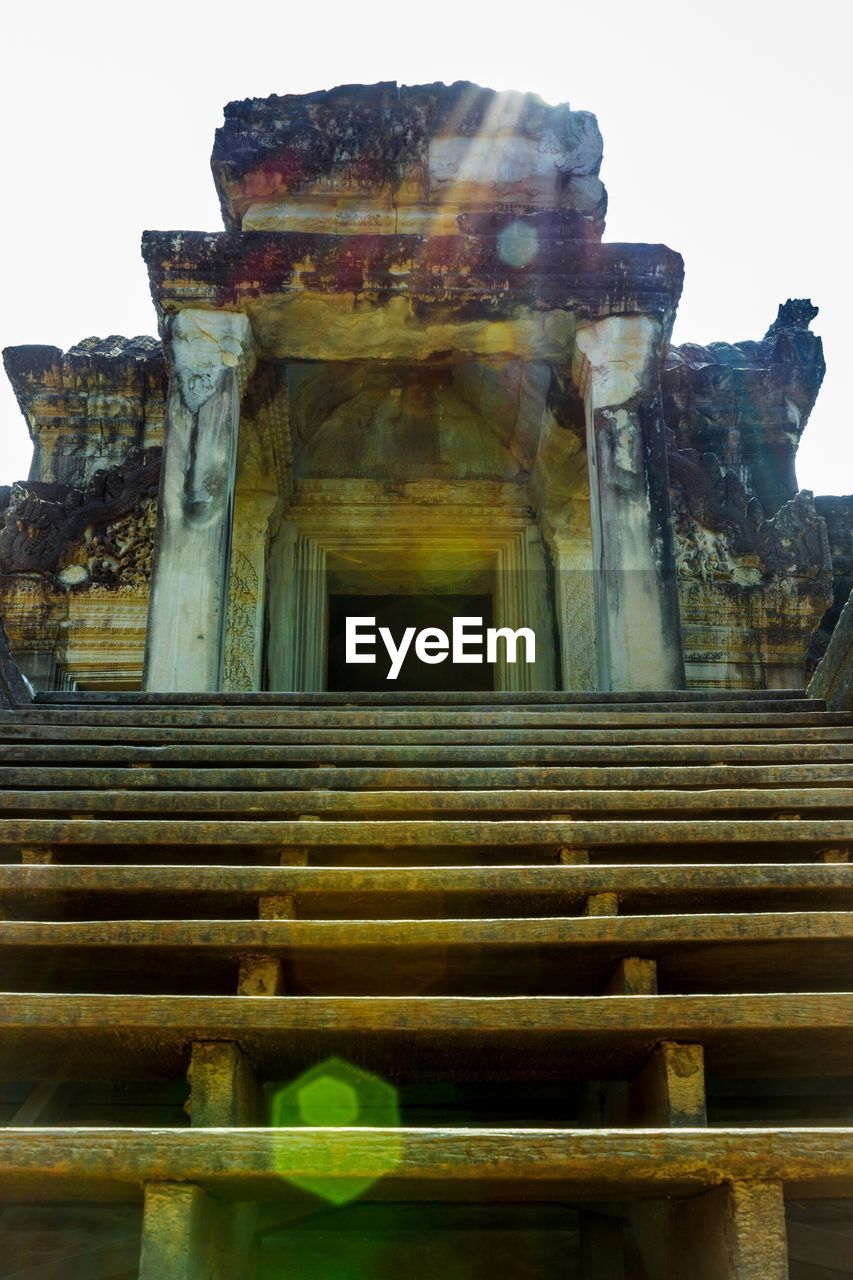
<point x="596" y="948"/>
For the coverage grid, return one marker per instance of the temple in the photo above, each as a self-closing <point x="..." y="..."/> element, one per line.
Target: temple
<point x="336" y="970"/>
<point x="411" y="371"/>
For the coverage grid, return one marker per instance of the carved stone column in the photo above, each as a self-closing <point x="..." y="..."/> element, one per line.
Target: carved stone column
<point x="638" y="628"/>
<point x="521" y="600"/>
<point x="574" y="598"/>
<point x="242" y="666"/>
<point x="212" y="358"/>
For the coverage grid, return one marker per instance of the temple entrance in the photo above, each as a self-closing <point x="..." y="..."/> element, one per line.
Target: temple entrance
<point x="397" y="612"/>
<point x="409" y="558"/>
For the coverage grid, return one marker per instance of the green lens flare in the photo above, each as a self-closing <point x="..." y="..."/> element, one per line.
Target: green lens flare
<point x="337" y="1095"/>
<point x="326" y="1101"/>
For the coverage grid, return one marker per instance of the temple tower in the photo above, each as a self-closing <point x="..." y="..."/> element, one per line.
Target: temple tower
<point x="411" y="377"/>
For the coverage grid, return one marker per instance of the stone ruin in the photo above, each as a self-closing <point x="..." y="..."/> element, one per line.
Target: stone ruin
<point x="411" y="360"/>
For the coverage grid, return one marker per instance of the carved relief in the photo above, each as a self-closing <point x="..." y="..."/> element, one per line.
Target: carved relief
<point x="120" y="554"/>
<point x="721" y="530"/>
<point x="105" y="532"/>
<point x="238" y="671"/>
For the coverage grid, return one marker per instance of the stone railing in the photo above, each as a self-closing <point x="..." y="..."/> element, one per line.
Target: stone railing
<point x="833" y="677"/>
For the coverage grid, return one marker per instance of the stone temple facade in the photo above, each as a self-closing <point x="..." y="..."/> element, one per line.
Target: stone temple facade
<point x="514" y="971"/>
<point x="411" y="367"/>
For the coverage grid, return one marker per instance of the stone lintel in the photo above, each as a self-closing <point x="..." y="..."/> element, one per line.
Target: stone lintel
<point x="369" y="150"/>
<point x="297" y="286"/>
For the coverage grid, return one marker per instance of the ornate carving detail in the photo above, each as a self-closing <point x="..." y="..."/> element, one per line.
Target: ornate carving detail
<point x="717" y="522"/>
<point x="796" y="313"/>
<point x="46" y="526"/>
<point x="120" y="554"/>
<point x="241" y="629"/>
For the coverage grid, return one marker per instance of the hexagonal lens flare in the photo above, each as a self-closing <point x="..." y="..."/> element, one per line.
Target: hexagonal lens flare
<point x="335" y="1094"/>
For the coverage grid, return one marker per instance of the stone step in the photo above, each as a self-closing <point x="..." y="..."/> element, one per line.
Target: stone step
<point x="398" y="697"/>
<point x="418" y="834"/>
<point x="399" y="738"/>
<point x="204" y="891"/>
<point x="507" y="753"/>
<point x="428" y="1037"/>
<point x="390" y="720"/>
<point x="561" y="1165"/>
<point x="424" y="804"/>
<point x="634" y="777"/>
<point x="772" y="951"/>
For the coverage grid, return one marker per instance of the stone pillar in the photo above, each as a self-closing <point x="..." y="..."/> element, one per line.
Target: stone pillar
<point x="212" y="357"/>
<point x="734" y="1232"/>
<point x="224" y="1090"/>
<point x="638" y="630"/>
<point x="299" y="630"/>
<point x="187" y="1235"/>
<point x="670" y="1090"/>
<point x="574" y="592"/>
<point x="521" y="600"/>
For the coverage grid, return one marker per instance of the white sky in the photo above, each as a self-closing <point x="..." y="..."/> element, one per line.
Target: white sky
<point x="726" y="136"/>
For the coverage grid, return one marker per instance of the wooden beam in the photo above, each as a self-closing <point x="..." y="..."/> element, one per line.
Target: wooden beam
<point x="342" y="804"/>
<point x="507" y="753"/>
<point x="424" y="834"/>
<point x="562" y="1165"/>
<point x="264" y="937"/>
<point x="774" y="1034"/>
<point x="518" y="730"/>
<point x="767" y="885"/>
<point x="458" y="775"/>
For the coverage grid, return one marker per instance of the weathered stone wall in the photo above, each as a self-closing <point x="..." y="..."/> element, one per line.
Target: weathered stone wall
<point x="748" y="402"/>
<point x="838" y="514"/>
<point x="87" y="408"/>
<point x="412" y="291"/>
<point x="833" y="679"/>
<point x="76" y="538"/>
<point x="754" y="566"/>
<point x="388" y="159"/>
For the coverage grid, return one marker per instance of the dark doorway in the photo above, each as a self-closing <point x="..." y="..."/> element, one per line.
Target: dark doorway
<point x="397" y="613"/>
